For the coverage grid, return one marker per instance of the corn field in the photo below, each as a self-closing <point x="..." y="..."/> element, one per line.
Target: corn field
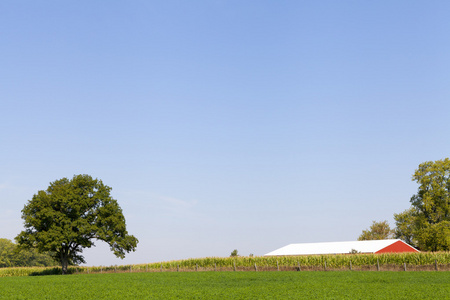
<point x="388" y="261"/>
<point x="331" y="261"/>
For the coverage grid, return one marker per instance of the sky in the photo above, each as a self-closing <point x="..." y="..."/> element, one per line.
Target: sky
<point x="223" y="124"/>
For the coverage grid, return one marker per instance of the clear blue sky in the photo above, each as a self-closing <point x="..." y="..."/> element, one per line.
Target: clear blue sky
<point x="224" y="125"/>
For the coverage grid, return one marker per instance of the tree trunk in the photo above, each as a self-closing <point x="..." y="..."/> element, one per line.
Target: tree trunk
<point x="64" y="263"/>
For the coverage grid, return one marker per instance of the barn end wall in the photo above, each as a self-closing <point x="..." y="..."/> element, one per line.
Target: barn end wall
<point x="397" y="247"/>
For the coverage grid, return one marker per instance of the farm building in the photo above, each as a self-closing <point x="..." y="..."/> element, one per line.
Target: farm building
<point x="372" y="246"/>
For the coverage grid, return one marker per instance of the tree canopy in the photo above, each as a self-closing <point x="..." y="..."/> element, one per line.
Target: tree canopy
<point x="377" y="231"/>
<point x="69" y="215"/>
<point x="426" y="224"/>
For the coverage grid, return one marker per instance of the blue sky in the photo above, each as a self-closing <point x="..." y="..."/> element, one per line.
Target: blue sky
<point x="224" y="125"/>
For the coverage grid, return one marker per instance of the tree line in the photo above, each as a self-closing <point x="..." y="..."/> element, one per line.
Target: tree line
<point x="426" y="224"/>
<point x="12" y="256"/>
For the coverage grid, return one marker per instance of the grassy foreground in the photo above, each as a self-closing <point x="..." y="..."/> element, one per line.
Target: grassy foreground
<point x="231" y="285"/>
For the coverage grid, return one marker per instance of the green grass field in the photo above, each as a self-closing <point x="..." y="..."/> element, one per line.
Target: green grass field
<point x="231" y="285"/>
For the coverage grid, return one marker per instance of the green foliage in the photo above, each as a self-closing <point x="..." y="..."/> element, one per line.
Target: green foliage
<point x="406" y="226"/>
<point x="232" y="285"/>
<point x="234" y="253"/>
<point x="377" y="231"/>
<point x="426" y="224"/>
<point x="69" y="215"/>
<point x="7" y="253"/>
<point x="11" y="256"/>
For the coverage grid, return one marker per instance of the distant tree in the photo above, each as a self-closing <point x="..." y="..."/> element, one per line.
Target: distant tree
<point x="234" y="253"/>
<point x="427" y="223"/>
<point x="6" y="253"/>
<point x="11" y="256"/>
<point x="69" y="215"/>
<point x="406" y="226"/>
<point x="377" y="231"/>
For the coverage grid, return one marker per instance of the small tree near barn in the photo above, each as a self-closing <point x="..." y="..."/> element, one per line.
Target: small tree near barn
<point x="69" y="215"/>
<point x="377" y="231"/>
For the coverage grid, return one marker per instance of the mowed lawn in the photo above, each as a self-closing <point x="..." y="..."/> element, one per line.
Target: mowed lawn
<point x="232" y="285"/>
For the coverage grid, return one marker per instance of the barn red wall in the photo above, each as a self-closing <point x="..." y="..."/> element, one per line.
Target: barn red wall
<point x="397" y="247"/>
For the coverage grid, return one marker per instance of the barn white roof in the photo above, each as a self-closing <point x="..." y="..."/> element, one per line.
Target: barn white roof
<point x="332" y="247"/>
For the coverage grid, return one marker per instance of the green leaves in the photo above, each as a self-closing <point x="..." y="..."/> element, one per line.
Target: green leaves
<point x="426" y="224"/>
<point x="377" y="231"/>
<point x="406" y="226"/>
<point x="67" y="216"/>
<point x="11" y="256"/>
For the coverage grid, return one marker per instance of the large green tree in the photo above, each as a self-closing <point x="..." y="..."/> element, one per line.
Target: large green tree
<point x="69" y="216"/>
<point x="377" y="231"/>
<point x="427" y="223"/>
